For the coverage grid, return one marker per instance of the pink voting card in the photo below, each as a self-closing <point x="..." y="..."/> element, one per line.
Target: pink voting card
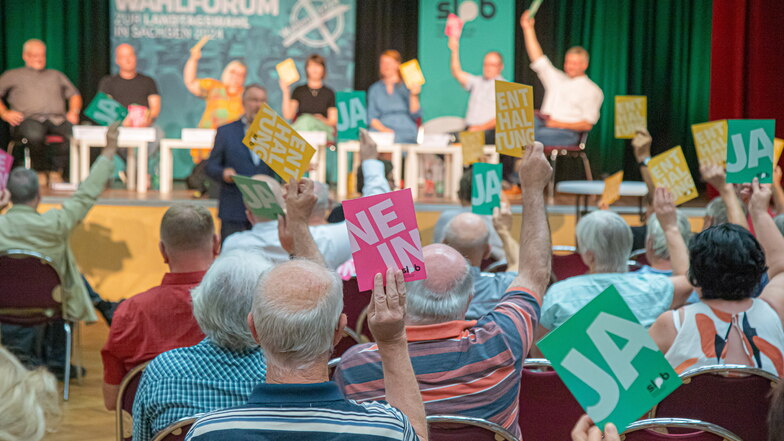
<point x="137" y="115"/>
<point x="6" y="162"/>
<point x="454" y="26"/>
<point x="383" y="233"/>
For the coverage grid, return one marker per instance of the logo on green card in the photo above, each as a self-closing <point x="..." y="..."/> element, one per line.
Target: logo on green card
<point x="352" y="114"/>
<point x="258" y="197"/>
<point x="609" y="362"/>
<point x="104" y="110"/>
<point x="485" y="188"/>
<point x="750" y="150"/>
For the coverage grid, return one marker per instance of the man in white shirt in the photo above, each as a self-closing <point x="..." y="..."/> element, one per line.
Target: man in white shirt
<point x="571" y="100"/>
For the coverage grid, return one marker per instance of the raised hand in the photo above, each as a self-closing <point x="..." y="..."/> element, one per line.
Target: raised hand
<point x="760" y="197"/>
<point x="387" y="309"/>
<point x="641" y="143"/>
<point x="535" y="170"/>
<point x="664" y="207"/>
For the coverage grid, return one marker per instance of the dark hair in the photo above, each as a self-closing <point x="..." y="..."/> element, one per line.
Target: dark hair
<point x="253" y="86"/>
<point x="726" y="262"/>
<point x="464" y="189"/>
<point x="318" y="59"/>
<point x="23" y="185"/>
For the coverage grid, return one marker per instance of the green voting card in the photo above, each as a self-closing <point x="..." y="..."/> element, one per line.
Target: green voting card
<point x="534" y="8"/>
<point x="609" y="362"/>
<point x="750" y="150"/>
<point x="485" y="188"/>
<point x="104" y="110"/>
<point x="258" y="197"/>
<point x="352" y="114"/>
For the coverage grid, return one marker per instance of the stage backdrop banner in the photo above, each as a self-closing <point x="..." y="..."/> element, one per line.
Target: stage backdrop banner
<point x="489" y="26"/>
<point x="260" y="33"/>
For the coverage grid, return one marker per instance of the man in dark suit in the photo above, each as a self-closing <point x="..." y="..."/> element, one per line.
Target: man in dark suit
<point x="231" y="157"/>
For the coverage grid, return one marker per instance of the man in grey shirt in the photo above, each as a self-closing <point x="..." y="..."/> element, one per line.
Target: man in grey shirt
<point x="37" y="102"/>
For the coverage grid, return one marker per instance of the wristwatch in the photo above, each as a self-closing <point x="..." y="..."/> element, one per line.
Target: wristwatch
<point x="644" y="162"/>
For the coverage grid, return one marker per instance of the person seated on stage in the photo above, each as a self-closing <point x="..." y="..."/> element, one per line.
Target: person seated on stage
<point x="312" y="105"/>
<point x="331" y="239"/>
<point x="571" y="100"/>
<point x="480" y="114"/>
<point x="728" y="325"/>
<point x="230" y="157"/>
<point x="223" y="368"/>
<point x="656" y="251"/>
<point x="37" y="105"/>
<point x="393" y="107"/>
<point x="297" y="325"/>
<point x="29" y="402"/>
<point x="468" y="234"/>
<point x="161" y="318"/>
<point x="604" y="241"/>
<point x="49" y="233"/>
<point x="129" y="87"/>
<point x="443" y="345"/>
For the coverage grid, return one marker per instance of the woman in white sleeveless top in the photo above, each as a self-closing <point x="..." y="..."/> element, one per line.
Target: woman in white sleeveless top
<point x="727" y="325"/>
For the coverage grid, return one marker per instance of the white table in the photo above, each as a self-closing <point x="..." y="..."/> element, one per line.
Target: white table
<point x="318" y="140"/>
<point x="453" y="171"/>
<point x="353" y="147"/>
<point x="583" y="189"/>
<point x="190" y="139"/>
<point x="130" y="138"/>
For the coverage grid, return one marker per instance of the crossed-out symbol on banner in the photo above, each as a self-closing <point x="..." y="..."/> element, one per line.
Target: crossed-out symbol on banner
<point x="316" y="20"/>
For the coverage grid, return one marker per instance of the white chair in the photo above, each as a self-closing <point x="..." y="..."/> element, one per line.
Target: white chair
<point x="318" y="140"/>
<point x="190" y="139"/>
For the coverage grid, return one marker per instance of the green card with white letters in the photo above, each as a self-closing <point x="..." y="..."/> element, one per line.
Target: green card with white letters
<point x="750" y="150"/>
<point x="258" y="197"/>
<point x="104" y="110"/>
<point x="352" y="114"/>
<point x="609" y="362"/>
<point x="485" y="188"/>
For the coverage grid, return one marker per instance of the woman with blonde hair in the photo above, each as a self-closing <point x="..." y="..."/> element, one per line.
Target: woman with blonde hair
<point x="29" y="401"/>
<point x="393" y="107"/>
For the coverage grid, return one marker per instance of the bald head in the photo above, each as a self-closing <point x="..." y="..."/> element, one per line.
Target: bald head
<point x="125" y="57"/>
<point x="295" y="323"/>
<point x="445" y="294"/>
<point x="468" y="234"/>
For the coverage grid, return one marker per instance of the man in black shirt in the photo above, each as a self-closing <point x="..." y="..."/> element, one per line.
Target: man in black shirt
<point x="129" y="87"/>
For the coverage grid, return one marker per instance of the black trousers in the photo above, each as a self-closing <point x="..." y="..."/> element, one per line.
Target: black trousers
<point x="45" y="157"/>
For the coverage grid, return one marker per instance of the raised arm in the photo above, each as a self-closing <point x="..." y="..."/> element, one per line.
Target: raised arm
<point x="667" y="216"/>
<point x="413" y="100"/>
<point x="293" y="228"/>
<point x="778" y="191"/>
<point x="535" y="251"/>
<point x="155" y="108"/>
<point x="502" y="222"/>
<point x="641" y="143"/>
<point x="454" y="62"/>
<point x="772" y="243"/>
<point x="532" y="45"/>
<point x="288" y="106"/>
<point x="717" y="177"/>
<point x="189" y="73"/>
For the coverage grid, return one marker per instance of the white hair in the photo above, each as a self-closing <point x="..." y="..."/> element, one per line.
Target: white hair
<point x="30" y="42"/>
<point x="717" y="211"/>
<point x="458" y="239"/>
<point x="608" y="237"/>
<point x="222" y="301"/>
<point x="297" y="336"/>
<point x="29" y="401"/>
<point x="322" y="201"/>
<point x="655" y="235"/>
<point x="427" y="306"/>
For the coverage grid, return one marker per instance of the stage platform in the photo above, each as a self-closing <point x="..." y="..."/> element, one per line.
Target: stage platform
<point x="117" y="244"/>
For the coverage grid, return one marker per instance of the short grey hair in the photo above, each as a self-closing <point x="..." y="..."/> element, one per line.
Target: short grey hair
<point x="456" y="240"/>
<point x="608" y="237"/>
<point x="186" y="227"/>
<point x="427" y="306"/>
<point x="30" y="42"/>
<point x="295" y="333"/>
<point x="655" y="234"/>
<point x="779" y="220"/>
<point x="223" y="299"/>
<point x="23" y="185"/>
<point x="322" y="200"/>
<point x="717" y="211"/>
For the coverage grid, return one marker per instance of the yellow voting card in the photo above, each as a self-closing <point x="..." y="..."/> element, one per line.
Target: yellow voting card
<point x="710" y="140"/>
<point x="412" y="74"/>
<point x="631" y="114"/>
<point x="287" y="71"/>
<point x="514" y="118"/>
<point x="670" y="170"/>
<point x="612" y="189"/>
<point x="472" y="144"/>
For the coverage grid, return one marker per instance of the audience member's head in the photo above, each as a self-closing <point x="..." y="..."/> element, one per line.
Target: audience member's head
<point x="389" y="64"/>
<point x="125" y="57"/>
<point x="655" y="240"/>
<point x="320" y="210"/>
<point x="253" y="97"/>
<point x="34" y="54"/>
<point x="445" y="294"/>
<point x="29" y="401"/>
<point x="726" y="262"/>
<point x="776" y="414"/>
<point x="222" y="301"/>
<point x="465" y="187"/>
<point x="188" y="237"/>
<point x="604" y="241"/>
<point x="297" y="324"/>
<point x="23" y="186"/>
<point x="779" y="220"/>
<point x="468" y="234"/>
<point x="492" y="65"/>
<point x="316" y="67"/>
<point x="234" y="74"/>
<point x="576" y="61"/>
<point x="277" y="191"/>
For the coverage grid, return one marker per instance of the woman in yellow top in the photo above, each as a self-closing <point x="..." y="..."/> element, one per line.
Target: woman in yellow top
<point x="224" y="97"/>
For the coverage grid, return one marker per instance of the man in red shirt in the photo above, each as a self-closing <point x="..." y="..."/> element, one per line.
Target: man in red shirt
<point x="161" y="319"/>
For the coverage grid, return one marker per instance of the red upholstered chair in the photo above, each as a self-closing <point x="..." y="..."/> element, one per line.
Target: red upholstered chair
<point x="543" y="396"/>
<point x="639" y="257"/>
<point x="570" y="151"/>
<point x="731" y="396"/>
<point x="460" y="428"/>
<point x="30" y="295"/>
<point x="657" y="430"/>
<point x="355" y="303"/>
<point x="176" y="430"/>
<point x="349" y="339"/>
<point x="567" y="262"/>
<point x="125" y="396"/>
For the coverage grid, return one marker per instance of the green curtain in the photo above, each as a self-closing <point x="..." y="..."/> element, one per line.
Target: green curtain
<point x="657" y="48"/>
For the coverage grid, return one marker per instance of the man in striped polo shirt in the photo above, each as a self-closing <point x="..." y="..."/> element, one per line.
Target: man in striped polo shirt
<point x="297" y="319"/>
<point x="468" y="368"/>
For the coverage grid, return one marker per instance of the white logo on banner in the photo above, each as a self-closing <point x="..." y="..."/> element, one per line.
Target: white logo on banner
<point x="306" y="17"/>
